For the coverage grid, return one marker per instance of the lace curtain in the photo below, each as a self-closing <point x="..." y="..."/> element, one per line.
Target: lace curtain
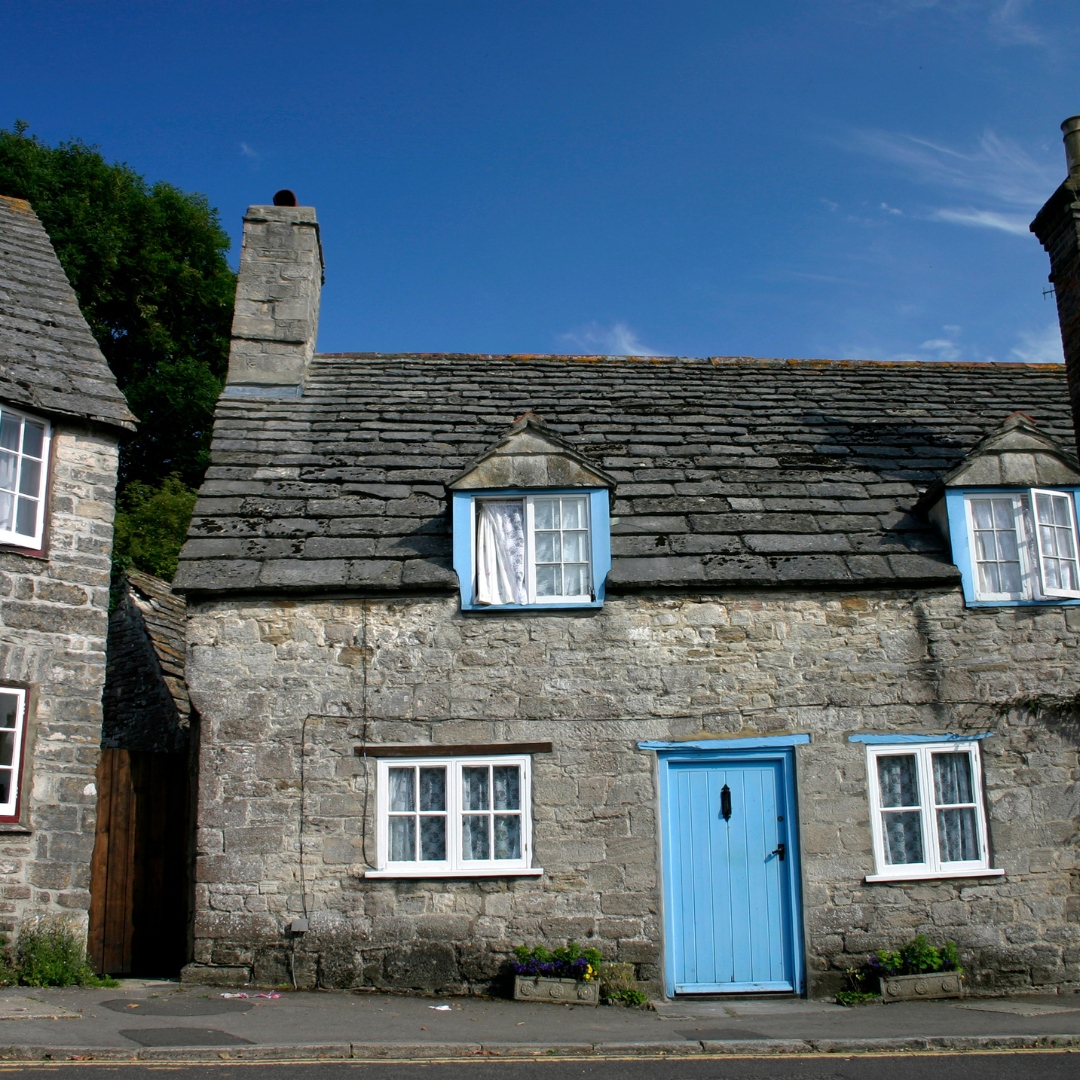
<point x="500" y="553"/>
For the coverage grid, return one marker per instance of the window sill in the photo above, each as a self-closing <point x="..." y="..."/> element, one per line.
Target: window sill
<point x="535" y="872"/>
<point x="558" y="605"/>
<point x="940" y="875"/>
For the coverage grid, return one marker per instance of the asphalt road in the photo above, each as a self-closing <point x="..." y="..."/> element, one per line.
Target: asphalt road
<point x="1015" y="1066"/>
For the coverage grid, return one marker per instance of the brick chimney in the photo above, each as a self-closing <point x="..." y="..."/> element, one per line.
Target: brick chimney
<point x="276" y="318"/>
<point x="1057" y="225"/>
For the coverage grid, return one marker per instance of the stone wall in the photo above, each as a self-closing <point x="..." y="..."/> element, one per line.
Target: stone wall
<point x="291" y="688"/>
<point x="53" y="615"/>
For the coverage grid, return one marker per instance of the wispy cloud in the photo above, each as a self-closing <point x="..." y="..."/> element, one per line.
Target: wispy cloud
<point x="248" y="152"/>
<point x="619" y="339"/>
<point x="1039" y="346"/>
<point x="1017" y="224"/>
<point x="997" y="173"/>
<point x="1008" y="25"/>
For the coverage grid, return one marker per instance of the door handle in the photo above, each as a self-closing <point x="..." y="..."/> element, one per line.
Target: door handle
<point x="781" y="850"/>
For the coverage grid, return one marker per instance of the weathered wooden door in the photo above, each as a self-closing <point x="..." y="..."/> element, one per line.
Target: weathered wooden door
<point x="139" y="875"/>
<point x="731" y="894"/>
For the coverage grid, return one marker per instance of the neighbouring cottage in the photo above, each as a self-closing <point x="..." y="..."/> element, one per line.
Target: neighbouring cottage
<point x="141" y="875"/>
<point x="736" y="668"/>
<point x="61" y="420"/>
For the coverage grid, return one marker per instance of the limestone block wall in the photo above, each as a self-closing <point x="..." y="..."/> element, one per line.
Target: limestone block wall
<point x="287" y="690"/>
<point x="53" y="619"/>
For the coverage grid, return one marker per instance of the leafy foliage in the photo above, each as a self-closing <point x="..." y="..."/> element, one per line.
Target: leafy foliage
<point x="917" y="957"/>
<point x="147" y="263"/>
<point x="151" y="523"/>
<point x="626" y="995"/>
<point x="569" y="961"/>
<point x="48" y="953"/>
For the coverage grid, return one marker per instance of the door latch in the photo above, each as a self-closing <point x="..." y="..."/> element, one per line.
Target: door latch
<point x="781" y="850"/>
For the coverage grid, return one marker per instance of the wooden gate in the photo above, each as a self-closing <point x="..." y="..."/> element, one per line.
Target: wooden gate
<point x="139" y="875"/>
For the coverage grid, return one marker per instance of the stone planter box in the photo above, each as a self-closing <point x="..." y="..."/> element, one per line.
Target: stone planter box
<point x="941" y="984"/>
<point x="564" y="991"/>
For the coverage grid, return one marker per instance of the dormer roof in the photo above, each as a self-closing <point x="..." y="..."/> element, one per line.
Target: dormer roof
<point x="1015" y="454"/>
<point x="530" y="455"/>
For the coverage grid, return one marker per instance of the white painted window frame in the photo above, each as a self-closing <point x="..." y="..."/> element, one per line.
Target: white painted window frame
<point x="454" y="866"/>
<point x="10" y="536"/>
<point x="1028" y="544"/>
<point x="9" y="808"/>
<point x="530" y="544"/>
<point x="933" y="867"/>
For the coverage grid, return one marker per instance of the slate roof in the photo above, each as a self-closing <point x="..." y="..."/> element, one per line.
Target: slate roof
<point x="729" y="471"/>
<point x="49" y="360"/>
<point x="146" y="704"/>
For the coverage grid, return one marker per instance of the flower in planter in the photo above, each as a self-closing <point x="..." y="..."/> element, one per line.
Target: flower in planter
<point x="569" y="961"/>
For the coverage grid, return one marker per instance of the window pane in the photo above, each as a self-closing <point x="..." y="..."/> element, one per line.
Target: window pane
<point x="903" y="837"/>
<point x="402" y="789"/>
<point x="985" y="546"/>
<point x="1003" y="514"/>
<point x="547" y="547"/>
<point x="952" y="779"/>
<point x="546" y="513"/>
<point x="573" y="513"/>
<point x="982" y="513"/>
<point x="30" y="478"/>
<point x="7" y="470"/>
<point x="1010" y="577"/>
<point x="9" y="432"/>
<point x="9" y="709"/>
<point x="506" y="785"/>
<point x="475" y="837"/>
<point x="1006" y="545"/>
<point x="403" y="839"/>
<point x="33" y="439"/>
<point x="898" y="779"/>
<point x="989" y="577"/>
<point x="574" y="546"/>
<point x="576" y="580"/>
<point x="5" y="784"/>
<point x="7" y="748"/>
<point x="433" y="789"/>
<point x="26" y="517"/>
<point x="433" y="839"/>
<point x="474" y="788"/>
<point x="507" y="836"/>
<point x="957" y="835"/>
<point x="549" y="581"/>
<point x="7" y="510"/>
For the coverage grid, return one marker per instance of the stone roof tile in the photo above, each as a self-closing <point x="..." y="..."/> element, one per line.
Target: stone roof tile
<point x="729" y="471"/>
<point x="49" y="360"/>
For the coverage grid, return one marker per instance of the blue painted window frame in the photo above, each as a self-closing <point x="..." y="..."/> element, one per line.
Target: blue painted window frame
<point x="464" y="532"/>
<point x="956" y="509"/>
<point x="776" y="748"/>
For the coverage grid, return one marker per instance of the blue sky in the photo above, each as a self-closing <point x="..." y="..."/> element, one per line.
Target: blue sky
<point x="797" y="178"/>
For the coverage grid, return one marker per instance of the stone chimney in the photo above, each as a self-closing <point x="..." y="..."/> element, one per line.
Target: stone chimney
<point x="1057" y="225"/>
<point x="276" y="318"/>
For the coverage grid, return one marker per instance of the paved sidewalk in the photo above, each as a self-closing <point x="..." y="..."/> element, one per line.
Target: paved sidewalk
<point x="162" y="1022"/>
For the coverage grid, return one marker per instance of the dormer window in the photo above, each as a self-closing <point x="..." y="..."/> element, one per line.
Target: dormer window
<point x="531" y="524"/>
<point x="534" y="549"/>
<point x="24" y="459"/>
<point x="1023" y="545"/>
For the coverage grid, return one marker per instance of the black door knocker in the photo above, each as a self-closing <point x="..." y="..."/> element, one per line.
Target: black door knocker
<point x="725" y="803"/>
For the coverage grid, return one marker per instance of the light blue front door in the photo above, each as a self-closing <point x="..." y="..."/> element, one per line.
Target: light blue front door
<point x="730" y="873"/>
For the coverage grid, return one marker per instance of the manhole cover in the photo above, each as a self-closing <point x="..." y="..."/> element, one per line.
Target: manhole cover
<point x="177" y="1006"/>
<point x="183" y="1036"/>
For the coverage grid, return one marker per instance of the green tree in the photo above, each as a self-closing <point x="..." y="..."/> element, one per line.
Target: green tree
<point x="147" y="263"/>
<point x="151" y="522"/>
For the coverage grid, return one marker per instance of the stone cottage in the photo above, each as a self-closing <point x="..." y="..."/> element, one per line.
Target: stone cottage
<point x="61" y="420"/>
<point x="735" y="668"/>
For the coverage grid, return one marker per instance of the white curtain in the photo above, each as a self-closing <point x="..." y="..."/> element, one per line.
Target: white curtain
<point x="500" y="553"/>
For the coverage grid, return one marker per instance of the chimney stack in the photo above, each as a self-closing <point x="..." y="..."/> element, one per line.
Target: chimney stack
<point x="276" y="319"/>
<point x="1057" y="225"/>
